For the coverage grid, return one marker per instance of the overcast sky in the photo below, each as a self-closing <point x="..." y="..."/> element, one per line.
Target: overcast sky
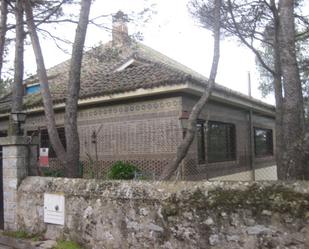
<point x="174" y="33"/>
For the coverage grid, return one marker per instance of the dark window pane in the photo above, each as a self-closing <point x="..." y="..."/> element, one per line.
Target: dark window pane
<point x="45" y="142"/>
<point x="221" y="140"/>
<point x="263" y="142"/>
<point x="200" y="142"/>
<point x="3" y="133"/>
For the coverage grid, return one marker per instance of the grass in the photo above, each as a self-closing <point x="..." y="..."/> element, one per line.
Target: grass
<point x="36" y="237"/>
<point x="67" y="245"/>
<point x="22" y="235"/>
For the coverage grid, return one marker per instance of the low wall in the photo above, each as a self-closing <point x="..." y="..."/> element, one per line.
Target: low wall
<point x="103" y="214"/>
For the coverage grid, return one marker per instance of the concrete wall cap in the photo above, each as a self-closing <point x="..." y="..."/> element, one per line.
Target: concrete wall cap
<point x="14" y="140"/>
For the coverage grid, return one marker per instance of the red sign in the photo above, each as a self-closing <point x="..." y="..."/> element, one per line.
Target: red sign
<point x="43" y="159"/>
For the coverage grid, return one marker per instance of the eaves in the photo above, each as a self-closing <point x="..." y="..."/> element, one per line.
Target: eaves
<point x="221" y="95"/>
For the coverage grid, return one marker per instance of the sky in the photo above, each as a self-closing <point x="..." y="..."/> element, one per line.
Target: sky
<point x="171" y="31"/>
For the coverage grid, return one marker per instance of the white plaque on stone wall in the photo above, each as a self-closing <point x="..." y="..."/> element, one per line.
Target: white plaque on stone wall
<point x="54" y="209"/>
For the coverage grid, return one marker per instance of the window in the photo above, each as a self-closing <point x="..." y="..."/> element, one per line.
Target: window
<point x="3" y="133"/>
<point x="45" y="142"/>
<point x="32" y="89"/>
<point x="200" y="142"/>
<point x="221" y="142"/>
<point x="263" y="142"/>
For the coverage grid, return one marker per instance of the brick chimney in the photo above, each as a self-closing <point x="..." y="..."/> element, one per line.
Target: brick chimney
<point x="120" y="29"/>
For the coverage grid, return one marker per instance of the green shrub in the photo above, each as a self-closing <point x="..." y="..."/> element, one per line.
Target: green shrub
<point x="52" y="172"/>
<point x="23" y="235"/>
<point x="122" y="171"/>
<point x="67" y="245"/>
<point x="88" y="167"/>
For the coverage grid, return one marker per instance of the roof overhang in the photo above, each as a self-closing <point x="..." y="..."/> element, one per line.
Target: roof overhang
<point x="186" y="87"/>
<point x="230" y="97"/>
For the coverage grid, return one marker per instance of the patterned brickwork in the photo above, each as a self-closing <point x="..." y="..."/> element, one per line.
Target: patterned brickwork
<point x="147" y="133"/>
<point x="144" y="133"/>
<point x="151" y="168"/>
<point x="109" y="112"/>
<point x="148" y="136"/>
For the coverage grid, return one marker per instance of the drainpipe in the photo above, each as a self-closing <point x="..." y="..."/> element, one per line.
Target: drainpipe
<point x="251" y="132"/>
<point x="251" y="143"/>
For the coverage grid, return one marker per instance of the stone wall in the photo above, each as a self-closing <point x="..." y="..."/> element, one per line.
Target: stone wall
<point x="103" y="214"/>
<point x="18" y="158"/>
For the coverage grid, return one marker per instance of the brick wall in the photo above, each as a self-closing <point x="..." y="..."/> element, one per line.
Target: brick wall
<point x="214" y="111"/>
<point x="145" y="133"/>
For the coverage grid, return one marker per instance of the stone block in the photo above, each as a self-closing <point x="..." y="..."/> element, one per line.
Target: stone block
<point x="14" y="162"/>
<point x="10" y="196"/>
<point x="13" y="183"/>
<point x="10" y="206"/>
<point x="10" y="226"/>
<point x="6" y="186"/>
<point x="9" y="217"/>
<point x="10" y="173"/>
<point x="15" y="159"/>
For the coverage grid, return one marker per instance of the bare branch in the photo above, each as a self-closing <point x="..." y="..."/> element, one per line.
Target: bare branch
<point x="255" y="51"/>
<point x="56" y="39"/>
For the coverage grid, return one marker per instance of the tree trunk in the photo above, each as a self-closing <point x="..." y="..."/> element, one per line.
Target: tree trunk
<point x="71" y="131"/>
<point x="306" y="157"/>
<point x="280" y="148"/>
<point x="42" y="75"/>
<point x="279" y="145"/>
<point x="183" y="148"/>
<point x="3" y="29"/>
<point x="17" y="89"/>
<point x="293" y="119"/>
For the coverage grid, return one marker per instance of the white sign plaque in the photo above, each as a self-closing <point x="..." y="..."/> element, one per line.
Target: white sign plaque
<point x="43" y="159"/>
<point x="54" y="209"/>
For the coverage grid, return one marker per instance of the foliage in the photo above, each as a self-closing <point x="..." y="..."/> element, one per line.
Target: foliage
<point x="23" y="235"/>
<point x="67" y="245"/>
<point x="5" y="86"/>
<point x="271" y="23"/>
<point x="48" y="14"/>
<point x="266" y="85"/>
<point x="90" y="170"/>
<point x="52" y="172"/>
<point x="122" y="171"/>
<point x="266" y="79"/>
<point x="17" y="234"/>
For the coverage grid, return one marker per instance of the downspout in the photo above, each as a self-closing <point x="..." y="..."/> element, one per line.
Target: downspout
<point x="251" y="132"/>
<point x="251" y="143"/>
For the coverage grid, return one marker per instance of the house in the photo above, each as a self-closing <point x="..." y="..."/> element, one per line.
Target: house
<point x="133" y="100"/>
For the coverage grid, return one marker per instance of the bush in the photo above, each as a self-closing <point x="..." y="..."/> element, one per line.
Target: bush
<point x="67" y="245"/>
<point x="52" y="172"/>
<point x="122" y="171"/>
<point x="23" y="235"/>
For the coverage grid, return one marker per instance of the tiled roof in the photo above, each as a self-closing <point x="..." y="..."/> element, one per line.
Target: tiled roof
<point x="99" y="76"/>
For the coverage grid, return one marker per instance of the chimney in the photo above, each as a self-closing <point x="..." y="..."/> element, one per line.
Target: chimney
<point x="120" y="29"/>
